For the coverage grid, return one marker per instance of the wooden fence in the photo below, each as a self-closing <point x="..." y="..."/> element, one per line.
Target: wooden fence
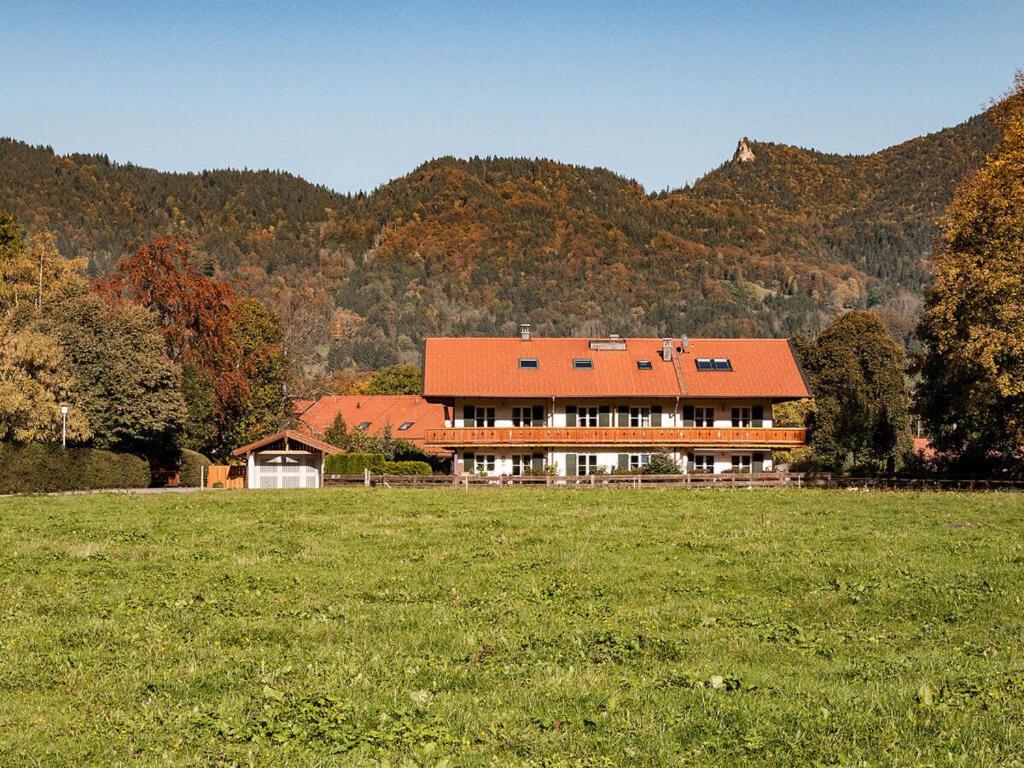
<point x="724" y="480"/>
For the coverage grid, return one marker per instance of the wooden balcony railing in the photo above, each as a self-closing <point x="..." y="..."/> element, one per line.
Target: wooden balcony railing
<point x="706" y="437"/>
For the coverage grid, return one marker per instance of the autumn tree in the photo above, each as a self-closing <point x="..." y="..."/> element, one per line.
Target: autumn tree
<point x="230" y="358"/>
<point x="34" y="381"/>
<point x="862" y="406"/>
<point x="971" y="397"/>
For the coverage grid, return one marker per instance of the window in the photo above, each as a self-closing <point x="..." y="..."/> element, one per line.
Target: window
<point x="529" y="362"/>
<point x="363" y="426"/>
<point x="521" y="464"/>
<point x="639" y="460"/>
<point x="644" y="365"/>
<point x="405" y="425"/>
<point x="741" y="417"/>
<point x="704" y="417"/>
<point x="640" y="417"/>
<point x="741" y="463"/>
<point x="586" y="416"/>
<point x="586" y="463"/>
<point x="485" y="416"/>
<point x="713" y="364"/>
<point x="483" y="464"/>
<point x="704" y="463"/>
<point x="520" y="418"/>
<point x="582" y="362"/>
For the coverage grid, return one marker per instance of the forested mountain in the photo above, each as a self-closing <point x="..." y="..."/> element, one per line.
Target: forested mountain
<point x="776" y="241"/>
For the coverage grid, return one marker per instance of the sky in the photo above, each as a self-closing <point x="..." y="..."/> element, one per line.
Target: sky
<point x="351" y="95"/>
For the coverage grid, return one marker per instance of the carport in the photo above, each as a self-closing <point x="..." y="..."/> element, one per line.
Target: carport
<point x="287" y="459"/>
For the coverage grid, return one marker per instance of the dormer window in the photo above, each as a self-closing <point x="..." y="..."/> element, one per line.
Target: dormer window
<point x="582" y="362"/>
<point x="529" y="362"/>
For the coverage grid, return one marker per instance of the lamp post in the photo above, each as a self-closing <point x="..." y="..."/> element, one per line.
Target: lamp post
<point x="63" y="425"/>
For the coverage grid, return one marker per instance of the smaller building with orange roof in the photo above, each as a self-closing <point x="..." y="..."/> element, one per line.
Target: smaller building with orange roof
<point x="409" y="417"/>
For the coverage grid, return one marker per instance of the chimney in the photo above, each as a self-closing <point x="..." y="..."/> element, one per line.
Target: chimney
<point x="666" y="350"/>
<point x="686" y="343"/>
<point x="524" y="331"/>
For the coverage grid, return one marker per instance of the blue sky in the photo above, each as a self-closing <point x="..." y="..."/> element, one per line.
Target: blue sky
<point x="353" y="94"/>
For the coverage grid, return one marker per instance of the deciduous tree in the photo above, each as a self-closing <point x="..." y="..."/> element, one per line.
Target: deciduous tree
<point x="862" y="416"/>
<point x="971" y="395"/>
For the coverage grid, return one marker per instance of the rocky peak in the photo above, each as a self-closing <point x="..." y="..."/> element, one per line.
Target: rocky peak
<point x="744" y="153"/>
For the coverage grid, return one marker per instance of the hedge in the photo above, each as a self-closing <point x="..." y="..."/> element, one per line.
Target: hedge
<point x="407" y="468"/>
<point x="353" y="463"/>
<point x="191" y="473"/>
<point x="34" y="468"/>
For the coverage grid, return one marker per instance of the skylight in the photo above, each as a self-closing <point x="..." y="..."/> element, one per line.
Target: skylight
<point x="363" y="426"/>
<point x="582" y="362"/>
<point x="405" y="425"/>
<point x="714" y="364"/>
<point x="529" y="362"/>
<point x="644" y="365"/>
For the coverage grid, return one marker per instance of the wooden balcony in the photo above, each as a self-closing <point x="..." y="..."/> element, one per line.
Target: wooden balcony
<point x="553" y="437"/>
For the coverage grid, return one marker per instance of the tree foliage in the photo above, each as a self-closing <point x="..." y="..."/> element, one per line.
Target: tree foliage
<point x="396" y="380"/>
<point x="862" y="405"/>
<point x="971" y="395"/>
<point x="233" y="372"/>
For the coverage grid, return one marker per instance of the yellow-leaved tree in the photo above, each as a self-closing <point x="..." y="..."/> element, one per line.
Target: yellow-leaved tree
<point x="971" y="396"/>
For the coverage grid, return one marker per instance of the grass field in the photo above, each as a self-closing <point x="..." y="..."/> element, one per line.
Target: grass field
<point x="512" y="627"/>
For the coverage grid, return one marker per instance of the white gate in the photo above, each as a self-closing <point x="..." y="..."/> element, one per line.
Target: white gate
<point x="287" y="470"/>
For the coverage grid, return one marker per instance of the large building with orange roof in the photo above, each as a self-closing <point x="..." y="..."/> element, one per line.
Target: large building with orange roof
<point x="578" y="406"/>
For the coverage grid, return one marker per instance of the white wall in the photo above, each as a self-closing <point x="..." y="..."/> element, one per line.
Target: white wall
<point x="672" y="412"/>
<point x="606" y="457"/>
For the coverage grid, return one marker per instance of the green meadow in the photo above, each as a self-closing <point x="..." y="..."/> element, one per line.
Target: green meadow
<point x="518" y="627"/>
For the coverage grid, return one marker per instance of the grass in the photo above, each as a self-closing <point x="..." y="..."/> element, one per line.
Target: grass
<point x="512" y="628"/>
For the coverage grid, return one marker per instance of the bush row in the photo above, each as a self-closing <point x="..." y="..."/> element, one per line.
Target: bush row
<point x="356" y="463"/>
<point x="34" y="468"/>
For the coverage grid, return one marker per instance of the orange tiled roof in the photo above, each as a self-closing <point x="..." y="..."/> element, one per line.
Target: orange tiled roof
<point x="378" y="411"/>
<point x="489" y="367"/>
<point x="292" y="435"/>
<point x="299" y="406"/>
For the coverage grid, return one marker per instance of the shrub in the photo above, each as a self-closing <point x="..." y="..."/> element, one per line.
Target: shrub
<point x="34" y="468"/>
<point x="191" y="462"/>
<point x="661" y="464"/>
<point x="353" y="463"/>
<point x="407" y="468"/>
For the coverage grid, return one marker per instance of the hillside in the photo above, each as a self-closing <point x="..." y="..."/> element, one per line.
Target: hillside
<point x="776" y="245"/>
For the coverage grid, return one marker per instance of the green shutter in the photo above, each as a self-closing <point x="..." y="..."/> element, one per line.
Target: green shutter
<point x="623" y="415"/>
<point x="467" y="463"/>
<point x="689" y="462"/>
<point x="688" y="418"/>
<point x="757" y="416"/>
<point x="623" y="462"/>
<point x="655" y="415"/>
<point x="570" y="415"/>
<point x="604" y="416"/>
<point x="570" y="463"/>
<point x="468" y="416"/>
<point x="538" y="416"/>
<point x="537" y="464"/>
<point x="757" y="463"/>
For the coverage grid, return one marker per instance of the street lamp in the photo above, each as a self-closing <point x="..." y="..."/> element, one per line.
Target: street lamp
<point x="64" y="425"/>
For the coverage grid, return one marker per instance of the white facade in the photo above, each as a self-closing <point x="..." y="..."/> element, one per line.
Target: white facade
<point x="714" y="413"/>
<point x="280" y="469"/>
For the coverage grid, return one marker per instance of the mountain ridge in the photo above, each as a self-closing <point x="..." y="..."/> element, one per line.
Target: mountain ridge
<point x="774" y="246"/>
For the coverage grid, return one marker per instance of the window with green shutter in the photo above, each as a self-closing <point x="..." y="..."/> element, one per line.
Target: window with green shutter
<point x="655" y="415"/>
<point x="570" y="415"/>
<point x="570" y="463"/>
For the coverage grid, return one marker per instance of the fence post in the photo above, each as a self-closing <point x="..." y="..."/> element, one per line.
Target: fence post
<point x="202" y="477"/>
<point x="366" y="476"/>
